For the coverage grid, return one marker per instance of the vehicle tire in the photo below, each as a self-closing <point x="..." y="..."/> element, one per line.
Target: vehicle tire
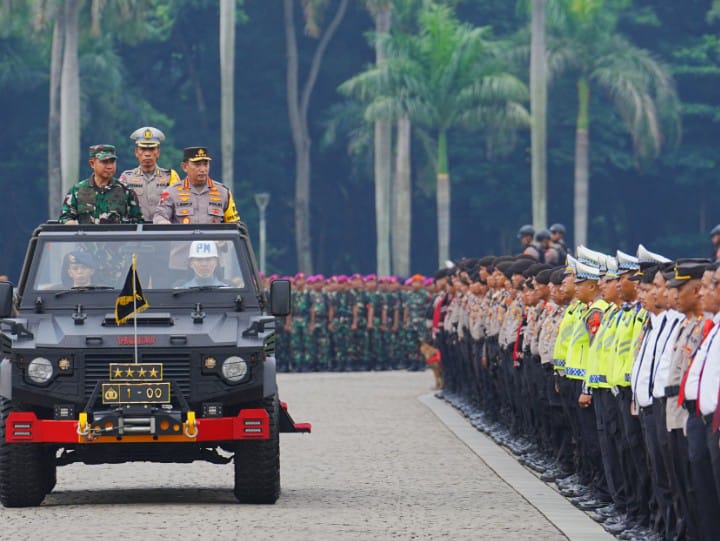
<point x="23" y="468"/>
<point x="257" y="463"/>
<point x="50" y="462"/>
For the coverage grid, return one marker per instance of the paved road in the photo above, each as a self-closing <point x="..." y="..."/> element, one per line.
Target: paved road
<point x="379" y="465"/>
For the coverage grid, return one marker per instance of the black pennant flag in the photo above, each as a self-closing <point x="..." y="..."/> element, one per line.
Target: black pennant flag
<point x="131" y="300"/>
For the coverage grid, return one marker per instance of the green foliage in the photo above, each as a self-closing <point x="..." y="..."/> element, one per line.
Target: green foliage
<point x="142" y="74"/>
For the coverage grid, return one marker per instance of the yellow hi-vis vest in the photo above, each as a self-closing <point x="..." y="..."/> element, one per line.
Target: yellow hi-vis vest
<point x="573" y="311"/>
<point x="597" y="374"/>
<point x="629" y="331"/>
<point x="577" y="356"/>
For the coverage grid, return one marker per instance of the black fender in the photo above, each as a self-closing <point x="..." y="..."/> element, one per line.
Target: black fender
<point x="269" y="377"/>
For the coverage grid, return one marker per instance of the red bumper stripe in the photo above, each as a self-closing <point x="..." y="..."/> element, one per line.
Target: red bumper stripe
<point x="250" y="424"/>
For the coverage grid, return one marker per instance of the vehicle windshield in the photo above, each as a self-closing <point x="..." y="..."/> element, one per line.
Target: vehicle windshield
<point x="85" y="265"/>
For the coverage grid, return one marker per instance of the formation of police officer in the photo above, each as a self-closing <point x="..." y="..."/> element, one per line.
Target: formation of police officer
<point x="350" y="323"/>
<point x="602" y="374"/>
<point x="148" y="193"/>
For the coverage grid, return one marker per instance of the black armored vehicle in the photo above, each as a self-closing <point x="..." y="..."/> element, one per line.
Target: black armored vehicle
<point x="190" y="377"/>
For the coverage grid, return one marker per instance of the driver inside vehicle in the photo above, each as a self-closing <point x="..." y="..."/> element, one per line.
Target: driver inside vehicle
<point x="80" y="268"/>
<point x="203" y="260"/>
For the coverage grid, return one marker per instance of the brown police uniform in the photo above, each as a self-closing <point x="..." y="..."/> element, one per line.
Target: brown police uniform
<point x="149" y="187"/>
<point x="183" y="203"/>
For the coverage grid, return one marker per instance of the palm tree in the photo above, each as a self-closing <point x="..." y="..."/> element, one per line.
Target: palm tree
<point x="70" y="97"/>
<point x="381" y="12"/>
<point x="227" y="88"/>
<point x="538" y="108"/>
<point x="641" y="89"/>
<point x="64" y="118"/>
<point x="298" y="104"/>
<point x="449" y="76"/>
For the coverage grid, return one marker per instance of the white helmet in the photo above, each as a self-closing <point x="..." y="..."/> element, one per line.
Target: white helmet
<point x="202" y="249"/>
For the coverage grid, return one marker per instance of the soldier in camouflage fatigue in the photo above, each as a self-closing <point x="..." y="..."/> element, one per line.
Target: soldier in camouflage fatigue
<point x="282" y="336"/>
<point x="340" y="321"/>
<point x="298" y="325"/>
<point x="416" y="301"/>
<point x="374" y="324"/>
<point x="393" y="308"/>
<point x="359" y="326"/>
<point x="101" y="198"/>
<point x="317" y="340"/>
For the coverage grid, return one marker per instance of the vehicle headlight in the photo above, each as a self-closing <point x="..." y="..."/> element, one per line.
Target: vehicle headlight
<point x="234" y="369"/>
<point x="40" y="370"/>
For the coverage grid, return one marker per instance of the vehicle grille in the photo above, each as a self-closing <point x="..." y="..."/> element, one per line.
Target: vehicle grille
<point x="176" y="367"/>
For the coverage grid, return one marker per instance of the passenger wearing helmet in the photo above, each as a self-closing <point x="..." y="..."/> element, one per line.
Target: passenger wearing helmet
<point x="203" y="261"/>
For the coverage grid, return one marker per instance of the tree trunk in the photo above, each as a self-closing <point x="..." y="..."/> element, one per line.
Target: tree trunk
<point x="443" y="200"/>
<point x="55" y="184"/>
<point x="227" y="89"/>
<point x="538" y="104"/>
<point x="383" y="161"/>
<point x="582" y="163"/>
<point x="70" y="99"/>
<point x="298" y="105"/>
<point x="402" y="213"/>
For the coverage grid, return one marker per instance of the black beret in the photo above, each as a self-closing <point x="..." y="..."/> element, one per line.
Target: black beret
<point x="543" y="277"/>
<point x="557" y="276"/>
<point x="505" y="267"/>
<point x="486" y="261"/>
<point x="521" y="265"/>
<point x="533" y="269"/>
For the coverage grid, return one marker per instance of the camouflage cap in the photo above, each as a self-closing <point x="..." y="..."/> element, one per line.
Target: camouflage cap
<point x="102" y="152"/>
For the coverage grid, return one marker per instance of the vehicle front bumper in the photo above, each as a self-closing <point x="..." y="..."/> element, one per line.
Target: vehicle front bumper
<point x="25" y="427"/>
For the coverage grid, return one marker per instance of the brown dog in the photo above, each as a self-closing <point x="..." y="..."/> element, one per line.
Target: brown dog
<point x="432" y="356"/>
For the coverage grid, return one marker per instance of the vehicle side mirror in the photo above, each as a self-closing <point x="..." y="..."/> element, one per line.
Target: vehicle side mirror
<point x="280" y="297"/>
<point x="6" y="299"/>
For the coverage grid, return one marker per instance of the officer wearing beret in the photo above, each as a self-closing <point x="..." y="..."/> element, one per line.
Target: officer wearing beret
<point x="101" y="198"/>
<point x="147" y="180"/>
<point x="198" y="199"/>
<point x="80" y="268"/>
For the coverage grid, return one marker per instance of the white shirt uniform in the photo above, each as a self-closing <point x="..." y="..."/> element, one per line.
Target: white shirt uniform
<point x="709" y="383"/>
<point x="643" y="364"/>
<point x="697" y="369"/>
<point x="666" y="341"/>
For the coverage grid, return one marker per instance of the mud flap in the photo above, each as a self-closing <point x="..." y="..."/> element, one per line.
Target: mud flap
<point x="288" y="425"/>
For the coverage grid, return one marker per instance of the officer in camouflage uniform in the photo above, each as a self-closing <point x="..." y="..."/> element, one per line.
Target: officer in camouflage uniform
<point x="198" y="199"/>
<point x="101" y="198"/>
<point x="359" y="326"/>
<point x="147" y="180"/>
<point x="374" y="323"/>
<point x="282" y="337"/>
<point x="340" y="321"/>
<point x="298" y="325"/>
<point x="317" y="341"/>
<point x="393" y="303"/>
<point x="414" y="307"/>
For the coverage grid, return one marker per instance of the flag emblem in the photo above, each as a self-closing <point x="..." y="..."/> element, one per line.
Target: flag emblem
<point x="131" y="300"/>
